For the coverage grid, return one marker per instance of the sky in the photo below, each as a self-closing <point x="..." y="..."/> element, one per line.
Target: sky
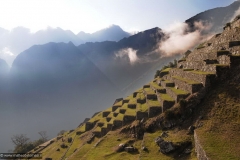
<point x="92" y="15"/>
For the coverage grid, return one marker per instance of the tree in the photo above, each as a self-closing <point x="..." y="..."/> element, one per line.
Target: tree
<point x="20" y="139"/>
<point x="43" y="135"/>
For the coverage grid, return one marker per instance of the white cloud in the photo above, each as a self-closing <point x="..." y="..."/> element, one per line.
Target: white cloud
<point x="179" y="39"/>
<point x="130" y="53"/>
<point x="6" y="51"/>
<point x="7" y="55"/>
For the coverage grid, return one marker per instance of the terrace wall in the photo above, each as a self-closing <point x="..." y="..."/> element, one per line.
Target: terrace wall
<point x="128" y="118"/>
<point x="140" y="115"/>
<point x="175" y="96"/>
<point x="89" y="126"/>
<point x="154" y="111"/>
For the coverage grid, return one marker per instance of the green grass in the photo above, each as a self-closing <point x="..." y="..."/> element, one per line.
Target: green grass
<point x="98" y="129"/>
<point x="203" y="73"/>
<point x="130" y="112"/>
<point x="119" y="117"/>
<point x="109" y="109"/>
<point x="129" y="97"/>
<point x="179" y="91"/>
<point x="153" y="153"/>
<point x="106" y="149"/>
<point x="118" y="103"/>
<point x="149" y="91"/>
<point x="185" y="80"/>
<point x="167" y="81"/>
<point x="82" y="128"/>
<point x="140" y="96"/>
<point x="166" y="70"/>
<point x="154" y="103"/>
<point x="166" y="97"/>
<point x="155" y="85"/>
<point x="142" y="107"/>
<point x="132" y="101"/>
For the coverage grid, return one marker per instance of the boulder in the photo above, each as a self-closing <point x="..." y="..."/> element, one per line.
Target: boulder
<point x="166" y="147"/>
<point x="120" y="147"/>
<point x="129" y="149"/>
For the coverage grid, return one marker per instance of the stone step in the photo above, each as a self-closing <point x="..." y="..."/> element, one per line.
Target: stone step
<point x="222" y="57"/>
<point x="166" y="101"/>
<point x="154" y="108"/>
<point x="177" y="94"/>
<point x="199" y="76"/>
<point x="166" y="83"/>
<point x="199" y="65"/>
<point x="149" y="93"/>
<point x="164" y="72"/>
<point x="156" y="88"/>
<point x="185" y="84"/>
<point x="141" y="111"/>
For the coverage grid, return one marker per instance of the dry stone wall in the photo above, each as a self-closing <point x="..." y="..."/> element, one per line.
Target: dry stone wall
<point x="140" y="115"/>
<point x="154" y="110"/>
<point x="201" y="154"/>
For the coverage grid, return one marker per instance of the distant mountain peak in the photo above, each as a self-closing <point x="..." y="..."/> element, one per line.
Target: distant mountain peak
<point x="110" y="33"/>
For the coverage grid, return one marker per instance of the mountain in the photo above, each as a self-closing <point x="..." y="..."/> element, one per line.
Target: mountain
<point x="216" y="17"/>
<point x="12" y="40"/>
<point x="190" y="111"/>
<point x="128" y="59"/>
<point x="112" y="33"/>
<point x="48" y="82"/>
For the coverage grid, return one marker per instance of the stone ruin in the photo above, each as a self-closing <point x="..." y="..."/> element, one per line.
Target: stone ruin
<point x="194" y="73"/>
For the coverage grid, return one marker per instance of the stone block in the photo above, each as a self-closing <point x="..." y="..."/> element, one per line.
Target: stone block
<point x="140" y="115"/>
<point x="166" y="104"/>
<point x="154" y="111"/>
<point x="89" y="126"/>
<point x="117" y="123"/>
<point x="132" y="106"/>
<point x="122" y="111"/>
<point x="114" y="108"/>
<point x="128" y="118"/>
<point x="105" y="113"/>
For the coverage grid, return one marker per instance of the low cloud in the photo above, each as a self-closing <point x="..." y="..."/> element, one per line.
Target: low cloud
<point x="6" y="51"/>
<point x="128" y="52"/>
<point x="7" y="55"/>
<point x="179" y="38"/>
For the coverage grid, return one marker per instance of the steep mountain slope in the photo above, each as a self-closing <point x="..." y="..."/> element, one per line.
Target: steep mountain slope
<point x="216" y="17"/>
<point x="58" y="66"/>
<point x="127" y="60"/>
<point x="50" y="82"/>
<point x="193" y="106"/>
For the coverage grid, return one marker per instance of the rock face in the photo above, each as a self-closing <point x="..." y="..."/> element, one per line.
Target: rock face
<point x="164" y="146"/>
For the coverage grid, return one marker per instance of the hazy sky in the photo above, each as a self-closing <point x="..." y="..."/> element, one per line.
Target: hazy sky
<point x="92" y="15"/>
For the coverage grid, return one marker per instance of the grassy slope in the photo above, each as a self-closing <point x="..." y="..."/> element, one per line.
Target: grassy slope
<point x="219" y="135"/>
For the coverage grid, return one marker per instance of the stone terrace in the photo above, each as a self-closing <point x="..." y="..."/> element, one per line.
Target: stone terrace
<point x="194" y="73"/>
